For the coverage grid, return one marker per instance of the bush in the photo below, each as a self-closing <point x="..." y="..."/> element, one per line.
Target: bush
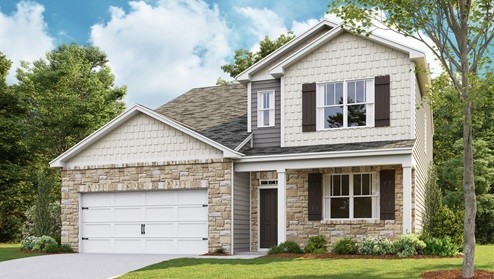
<point x="52" y="248"/>
<point x="220" y="251"/>
<point x="41" y="242"/>
<point x="65" y="248"/>
<point x="316" y="245"/>
<point x="286" y="247"/>
<point x="448" y="223"/>
<point x="27" y="243"/>
<point x="375" y="245"/>
<point x="443" y="247"/>
<point x="345" y="246"/>
<point x="408" y="245"/>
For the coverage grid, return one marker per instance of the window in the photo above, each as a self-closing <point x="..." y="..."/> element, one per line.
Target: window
<point x="350" y="196"/>
<point x="345" y="104"/>
<point x="265" y="104"/>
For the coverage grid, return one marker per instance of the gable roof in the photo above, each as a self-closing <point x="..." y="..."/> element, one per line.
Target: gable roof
<point x="244" y="76"/>
<point x="124" y="117"/>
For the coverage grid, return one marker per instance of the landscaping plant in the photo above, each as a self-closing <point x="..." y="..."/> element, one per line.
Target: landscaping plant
<point x="408" y="245"/>
<point x="286" y="247"/>
<point x="345" y="246"/>
<point x="443" y="247"/>
<point x="42" y="242"/>
<point x="316" y="245"/>
<point x="375" y="245"/>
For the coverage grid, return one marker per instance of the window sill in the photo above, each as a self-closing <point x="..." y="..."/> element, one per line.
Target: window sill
<point x="352" y="221"/>
<point x="345" y="128"/>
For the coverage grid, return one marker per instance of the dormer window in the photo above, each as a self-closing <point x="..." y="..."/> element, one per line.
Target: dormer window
<point x="345" y="104"/>
<point x="265" y="104"/>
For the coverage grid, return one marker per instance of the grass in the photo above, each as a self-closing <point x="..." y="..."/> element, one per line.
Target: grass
<point x="307" y="268"/>
<point x="9" y="251"/>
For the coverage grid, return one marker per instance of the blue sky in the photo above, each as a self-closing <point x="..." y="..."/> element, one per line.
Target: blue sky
<point x="159" y="49"/>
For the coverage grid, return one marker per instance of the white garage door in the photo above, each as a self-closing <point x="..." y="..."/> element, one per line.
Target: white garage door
<point x="159" y="222"/>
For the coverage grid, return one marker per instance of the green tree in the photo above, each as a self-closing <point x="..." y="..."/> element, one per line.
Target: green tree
<point x="243" y="58"/>
<point x="15" y="192"/>
<point x="461" y="32"/>
<point x="72" y="94"/>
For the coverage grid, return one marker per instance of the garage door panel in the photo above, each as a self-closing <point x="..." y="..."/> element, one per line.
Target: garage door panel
<point x="133" y="245"/>
<point x="160" y="246"/>
<point x="131" y="198"/>
<point x="186" y="246"/>
<point x="97" y="230"/>
<point x="191" y="197"/>
<point x="160" y="230"/>
<point x="127" y="230"/>
<point x="96" y="245"/>
<point x="127" y="214"/>
<point x="160" y="214"/>
<point x="160" y="198"/>
<point x="96" y="214"/>
<point x="100" y="199"/>
<point x="192" y="230"/>
<point x="194" y="213"/>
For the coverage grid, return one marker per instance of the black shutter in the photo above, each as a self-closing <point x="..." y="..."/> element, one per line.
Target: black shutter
<point x="315" y="196"/>
<point x="387" y="190"/>
<point x="382" y="92"/>
<point x="308" y="107"/>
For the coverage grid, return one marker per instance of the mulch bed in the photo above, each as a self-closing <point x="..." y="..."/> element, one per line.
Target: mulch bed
<point x="216" y="254"/>
<point x="334" y="256"/>
<point x="456" y="274"/>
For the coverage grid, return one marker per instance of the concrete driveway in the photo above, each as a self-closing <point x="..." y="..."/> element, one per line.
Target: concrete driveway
<point x="78" y="266"/>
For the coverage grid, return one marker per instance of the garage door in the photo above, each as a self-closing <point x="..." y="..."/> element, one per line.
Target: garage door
<point x="153" y="222"/>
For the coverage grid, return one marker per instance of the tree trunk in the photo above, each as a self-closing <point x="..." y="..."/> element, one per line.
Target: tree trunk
<point x="468" y="193"/>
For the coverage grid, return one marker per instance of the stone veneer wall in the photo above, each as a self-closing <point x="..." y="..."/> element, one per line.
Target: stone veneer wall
<point x="299" y="229"/>
<point x="215" y="175"/>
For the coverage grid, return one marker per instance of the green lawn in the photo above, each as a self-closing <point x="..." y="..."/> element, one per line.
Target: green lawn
<point x="307" y="268"/>
<point x="12" y="251"/>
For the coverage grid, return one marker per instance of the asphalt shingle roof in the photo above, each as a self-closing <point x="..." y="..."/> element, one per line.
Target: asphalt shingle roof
<point x="217" y="112"/>
<point x="329" y="147"/>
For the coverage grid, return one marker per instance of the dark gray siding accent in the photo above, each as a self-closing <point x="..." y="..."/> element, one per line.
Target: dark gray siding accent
<point x="241" y="212"/>
<point x="266" y="136"/>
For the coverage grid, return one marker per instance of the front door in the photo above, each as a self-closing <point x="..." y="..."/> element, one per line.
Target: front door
<point x="268" y="218"/>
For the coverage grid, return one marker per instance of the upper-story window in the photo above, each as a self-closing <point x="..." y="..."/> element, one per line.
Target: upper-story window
<point x="345" y="104"/>
<point x="350" y="196"/>
<point x="265" y="112"/>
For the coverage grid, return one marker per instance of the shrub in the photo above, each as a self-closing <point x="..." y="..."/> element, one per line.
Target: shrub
<point x="41" y="242"/>
<point x="345" y="246"/>
<point x="220" y="250"/>
<point x="375" y="245"/>
<point x="408" y="245"/>
<point x="52" y="248"/>
<point x="316" y="245"/>
<point x="55" y="222"/>
<point x="27" y="243"/>
<point x="286" y="247"/>
<point x="443" y="247"/>
<point x="448" y="223"/>
<point x="65" y="248"/>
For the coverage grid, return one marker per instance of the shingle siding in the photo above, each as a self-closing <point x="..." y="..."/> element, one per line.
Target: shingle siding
<point x="144" y="139"/>
<point x="266" y="136"/>
<point x="348" y="57"/>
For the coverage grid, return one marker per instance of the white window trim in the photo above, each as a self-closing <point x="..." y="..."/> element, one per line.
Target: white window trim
<point x="260" y="115"/>
<point x="375" y="196"/>
<point x="370" y="104"/>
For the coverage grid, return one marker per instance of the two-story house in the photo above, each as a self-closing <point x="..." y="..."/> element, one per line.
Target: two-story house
<point x="327" y="135"/>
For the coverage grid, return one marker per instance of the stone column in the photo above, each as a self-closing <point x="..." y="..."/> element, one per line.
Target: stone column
<point x="281" y="205"/>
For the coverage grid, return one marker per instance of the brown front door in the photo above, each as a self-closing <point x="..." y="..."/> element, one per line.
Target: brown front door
<point x="269" y="218"/>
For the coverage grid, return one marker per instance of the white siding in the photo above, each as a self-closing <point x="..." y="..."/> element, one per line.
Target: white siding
<point x="422" y="154"/>
<point x="264" y="71"/>
<point x="143" y="139"/>
<point x="348" y="57"/>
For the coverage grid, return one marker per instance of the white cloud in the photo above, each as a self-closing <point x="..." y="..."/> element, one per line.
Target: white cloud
<point x="23" y="35"/>
<point x="300" y="27"/>
<point x="160" y="51"/>
<point x="263" y="22"/>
